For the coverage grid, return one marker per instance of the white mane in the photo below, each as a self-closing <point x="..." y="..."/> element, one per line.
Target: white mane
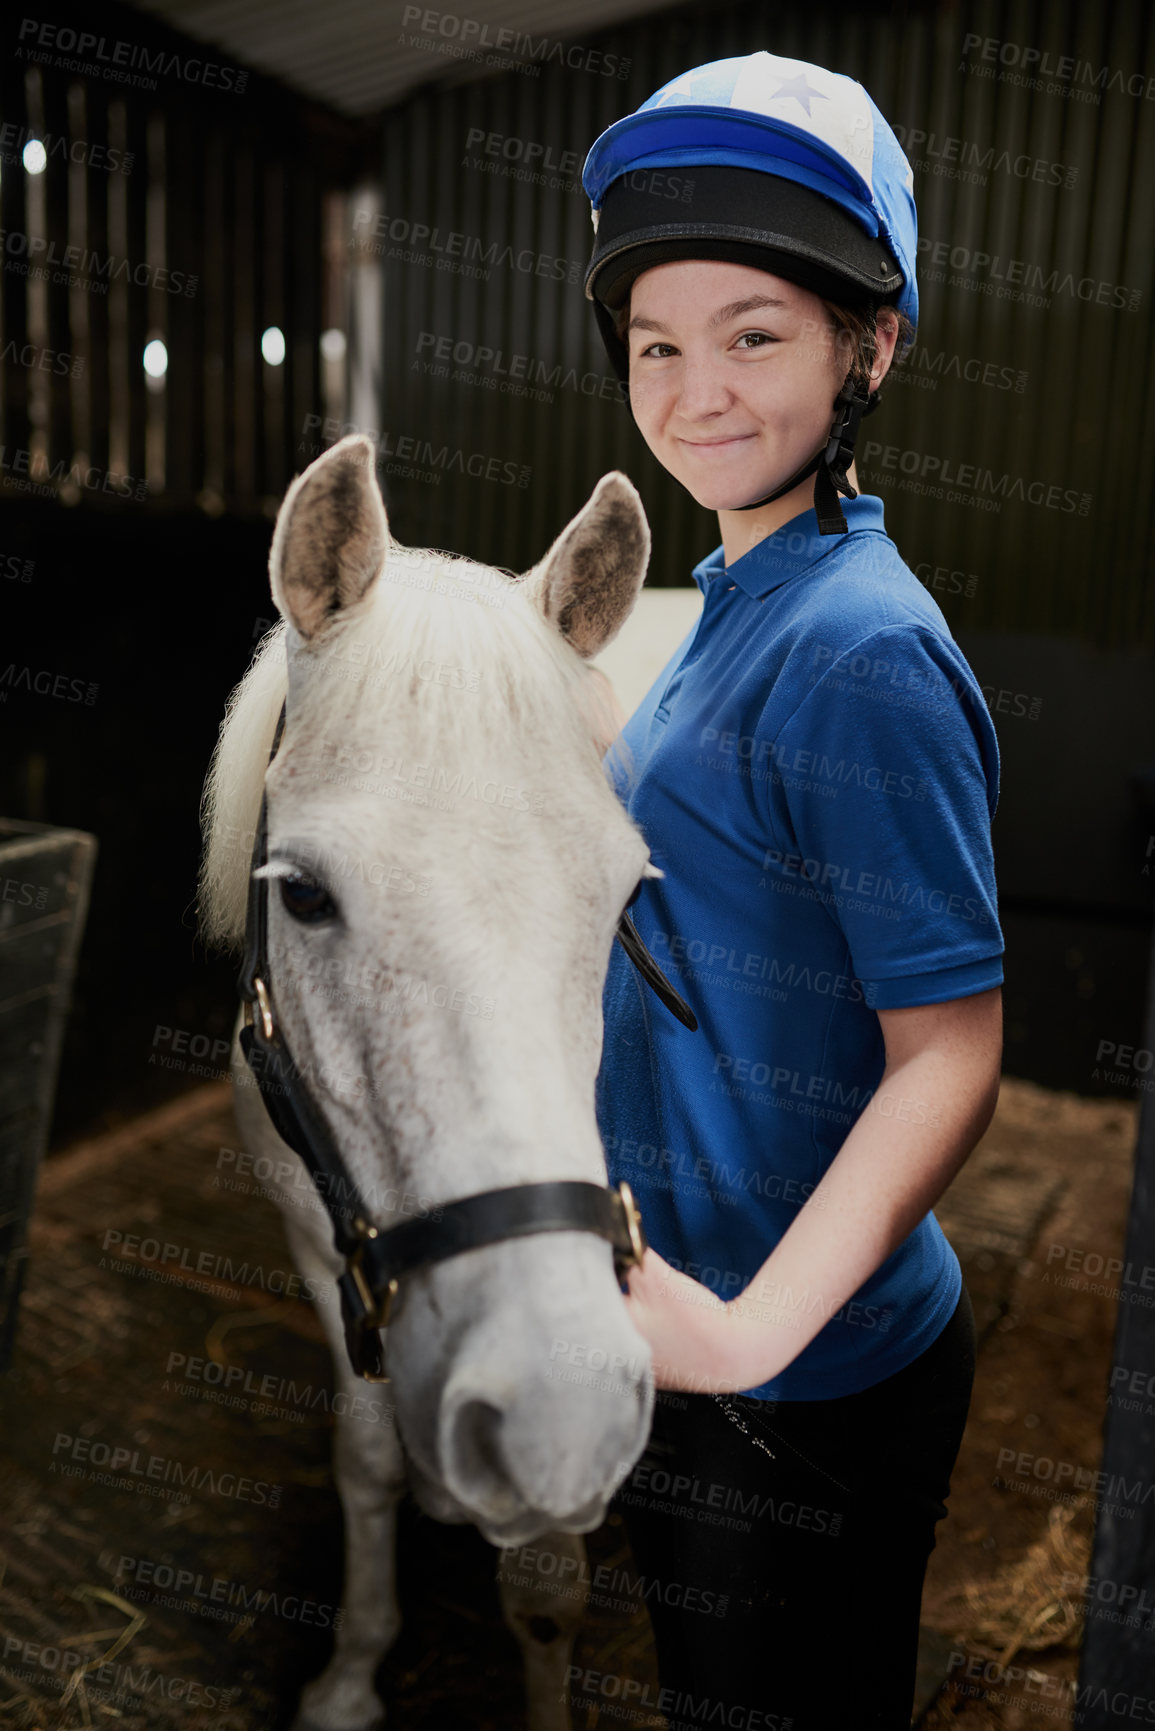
<point x="530" y="680"/>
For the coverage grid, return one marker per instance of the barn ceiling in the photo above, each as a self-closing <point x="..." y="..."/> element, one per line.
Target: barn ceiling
<point x="360" y="56"/>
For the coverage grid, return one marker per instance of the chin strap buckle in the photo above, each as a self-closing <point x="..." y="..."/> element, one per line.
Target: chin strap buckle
<point x="851" y="405"/>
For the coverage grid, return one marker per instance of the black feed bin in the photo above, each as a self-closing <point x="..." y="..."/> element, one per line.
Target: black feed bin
<point x="45" y="874"/>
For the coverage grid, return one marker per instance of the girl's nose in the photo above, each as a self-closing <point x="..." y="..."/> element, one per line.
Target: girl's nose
<point x="702" y="388"/>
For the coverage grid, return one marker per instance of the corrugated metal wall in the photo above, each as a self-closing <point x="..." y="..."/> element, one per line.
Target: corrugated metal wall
<point x="164" y="211"/>
<point x="1065" y="216"/>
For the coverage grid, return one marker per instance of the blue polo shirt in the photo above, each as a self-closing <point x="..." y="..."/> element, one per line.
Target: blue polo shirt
<point x="815" y="771"/>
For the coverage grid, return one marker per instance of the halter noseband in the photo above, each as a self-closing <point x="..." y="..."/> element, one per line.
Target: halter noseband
<point x="376" y="1260"/>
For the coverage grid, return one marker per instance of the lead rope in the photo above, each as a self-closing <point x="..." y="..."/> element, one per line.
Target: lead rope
<point x="736" y="1418"/>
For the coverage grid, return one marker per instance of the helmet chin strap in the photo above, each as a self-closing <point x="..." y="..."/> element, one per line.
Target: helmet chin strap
<point x="831" y="462"/>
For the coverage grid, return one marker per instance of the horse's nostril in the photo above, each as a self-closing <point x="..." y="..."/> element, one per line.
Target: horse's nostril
<point x="478" y="1462"/>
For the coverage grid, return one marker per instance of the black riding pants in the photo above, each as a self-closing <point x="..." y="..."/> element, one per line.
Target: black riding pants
<point x="784" y="1586"/>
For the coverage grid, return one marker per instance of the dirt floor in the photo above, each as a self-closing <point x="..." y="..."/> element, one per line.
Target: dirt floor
<point x="86" y="1549"/>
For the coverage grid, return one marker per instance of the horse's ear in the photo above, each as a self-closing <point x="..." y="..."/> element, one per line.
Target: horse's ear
<point x="331" y="536"/>
<point x="589" y="580"/>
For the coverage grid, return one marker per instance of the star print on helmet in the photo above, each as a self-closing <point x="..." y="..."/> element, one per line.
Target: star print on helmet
<point x="799" y="91"/>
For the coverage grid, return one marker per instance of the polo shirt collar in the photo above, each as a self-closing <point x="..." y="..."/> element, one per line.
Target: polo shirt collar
<point x="790" y="550"/>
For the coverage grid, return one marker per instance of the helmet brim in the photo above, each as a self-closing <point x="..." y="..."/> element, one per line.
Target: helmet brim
<point x="742" y="216"/>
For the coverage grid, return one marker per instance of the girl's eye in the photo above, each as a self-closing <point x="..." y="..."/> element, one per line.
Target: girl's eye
<point x="755" y="339"/>
<point x="307" y="901"/>
<point x="653" y="350"/>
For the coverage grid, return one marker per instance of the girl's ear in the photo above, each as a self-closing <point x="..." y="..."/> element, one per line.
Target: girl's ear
<point x="589" y="580"/>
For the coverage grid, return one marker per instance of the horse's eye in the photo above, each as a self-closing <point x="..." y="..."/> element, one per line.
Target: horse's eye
<point x="306" y="900"/>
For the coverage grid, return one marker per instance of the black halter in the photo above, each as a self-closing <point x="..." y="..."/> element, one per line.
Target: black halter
<point x="375" y="1260"/>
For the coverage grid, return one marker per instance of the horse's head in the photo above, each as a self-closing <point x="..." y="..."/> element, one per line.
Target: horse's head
<point x="447" y="865"/>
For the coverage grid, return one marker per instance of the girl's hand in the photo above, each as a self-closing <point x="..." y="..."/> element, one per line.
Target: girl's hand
<point x="689" y="1330"/>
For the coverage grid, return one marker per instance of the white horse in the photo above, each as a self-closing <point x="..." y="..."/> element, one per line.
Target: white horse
<point x="439" y="795"/>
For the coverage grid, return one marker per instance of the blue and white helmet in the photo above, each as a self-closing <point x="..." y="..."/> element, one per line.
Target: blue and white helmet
<point x="762" y="160"/>
<point x="768" y="162"/>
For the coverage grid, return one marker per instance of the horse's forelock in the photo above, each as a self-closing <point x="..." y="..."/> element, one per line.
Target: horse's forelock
<point x="527" y="675"/>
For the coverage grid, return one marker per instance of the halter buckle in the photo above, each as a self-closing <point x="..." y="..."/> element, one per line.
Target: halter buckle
<point x="637" y="1235"/>
<point x="376" y="1314"/>
<point x="265" y="1010"/>
<point x="364" y="1312"/>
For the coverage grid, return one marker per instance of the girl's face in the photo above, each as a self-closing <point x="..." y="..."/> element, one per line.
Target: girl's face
<point x="733" y="376"/>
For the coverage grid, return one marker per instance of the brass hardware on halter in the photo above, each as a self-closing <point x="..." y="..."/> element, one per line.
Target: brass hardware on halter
<point x="376" y="1315"/>
<point x="633" y="1219"/>
<point x="265" y="1005"/>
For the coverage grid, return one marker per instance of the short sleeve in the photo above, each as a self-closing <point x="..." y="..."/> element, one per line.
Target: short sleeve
<point x="887" y="780"/>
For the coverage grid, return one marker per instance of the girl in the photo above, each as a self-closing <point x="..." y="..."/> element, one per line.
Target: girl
<point x="815" y="771"/>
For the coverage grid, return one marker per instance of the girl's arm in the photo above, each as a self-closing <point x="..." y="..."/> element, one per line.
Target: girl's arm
<point x="937" y="1095"/>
